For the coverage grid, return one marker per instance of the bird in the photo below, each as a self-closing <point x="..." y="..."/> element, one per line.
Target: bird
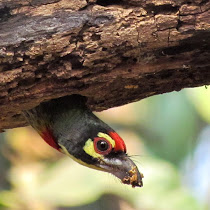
<point x="69" y="126"/>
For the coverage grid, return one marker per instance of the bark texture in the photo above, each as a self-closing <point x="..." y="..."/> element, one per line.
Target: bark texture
<point x="112" y="51"/>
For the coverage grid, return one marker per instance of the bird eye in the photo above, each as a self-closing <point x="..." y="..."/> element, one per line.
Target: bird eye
<point x="102" y="146"/>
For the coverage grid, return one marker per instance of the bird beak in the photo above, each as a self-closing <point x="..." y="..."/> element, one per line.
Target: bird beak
<point x="123" y="168"/>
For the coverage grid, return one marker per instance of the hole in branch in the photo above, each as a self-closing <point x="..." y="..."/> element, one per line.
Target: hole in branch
<point x="108" y="2"/>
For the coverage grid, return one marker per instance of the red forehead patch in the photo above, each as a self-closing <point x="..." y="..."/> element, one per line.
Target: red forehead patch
<point x="119" y="143"/>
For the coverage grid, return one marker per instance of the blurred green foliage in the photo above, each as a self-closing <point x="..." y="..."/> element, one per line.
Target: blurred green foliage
<point x="174" y="124"/>
<point x="160" y="132"/>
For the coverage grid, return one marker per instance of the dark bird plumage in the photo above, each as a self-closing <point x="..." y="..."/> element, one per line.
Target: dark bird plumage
<point x="69" y="126"/>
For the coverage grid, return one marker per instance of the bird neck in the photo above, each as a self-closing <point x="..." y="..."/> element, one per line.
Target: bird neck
<point x="49" y="139"/>
<point x="56" y="118"/>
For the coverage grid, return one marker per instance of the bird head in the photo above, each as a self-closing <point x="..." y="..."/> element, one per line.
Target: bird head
<point x="105" y="151"/>
<point x="108" y="150"/>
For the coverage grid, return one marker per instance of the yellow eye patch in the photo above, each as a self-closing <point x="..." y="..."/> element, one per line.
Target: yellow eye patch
<point x="107" y="137"/>
<point x="89" y="145"/>
<point x="89" y="149"/>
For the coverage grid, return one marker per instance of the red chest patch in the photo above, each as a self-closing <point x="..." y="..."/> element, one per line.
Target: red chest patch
<point x="119" y="143"/>
<point x="48" y="137"/>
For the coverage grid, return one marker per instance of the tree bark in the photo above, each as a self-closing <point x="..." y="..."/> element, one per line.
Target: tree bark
<point x="111" y="51"/>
